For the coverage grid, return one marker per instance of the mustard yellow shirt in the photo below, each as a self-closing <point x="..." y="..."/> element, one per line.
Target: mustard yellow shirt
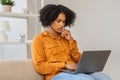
<point x="49" y="54"/>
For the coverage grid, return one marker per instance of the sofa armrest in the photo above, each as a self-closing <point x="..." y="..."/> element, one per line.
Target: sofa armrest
<point x="18" y="70"/>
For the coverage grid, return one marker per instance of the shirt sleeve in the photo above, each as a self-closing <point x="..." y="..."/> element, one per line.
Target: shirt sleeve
<point x="41" y="65"/>
<point x="75" y="54"/>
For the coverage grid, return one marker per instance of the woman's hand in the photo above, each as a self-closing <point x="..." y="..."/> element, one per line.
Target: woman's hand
<point x="66" y="34"/>
<point x="71" y="66"/>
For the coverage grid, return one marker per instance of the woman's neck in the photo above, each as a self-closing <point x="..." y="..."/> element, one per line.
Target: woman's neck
<point x="53" y="33"/>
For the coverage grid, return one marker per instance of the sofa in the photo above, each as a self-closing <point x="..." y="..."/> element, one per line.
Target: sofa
<point x="18" y="70"/>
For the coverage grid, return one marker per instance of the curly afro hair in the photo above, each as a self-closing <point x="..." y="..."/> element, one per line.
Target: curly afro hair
<point x="50" y="12"/>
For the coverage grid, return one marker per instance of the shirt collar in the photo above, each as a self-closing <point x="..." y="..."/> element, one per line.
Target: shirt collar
<point x="45" y="33"/>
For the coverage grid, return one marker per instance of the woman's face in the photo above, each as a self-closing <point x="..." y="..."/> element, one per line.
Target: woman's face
<point x="58" y="25"/>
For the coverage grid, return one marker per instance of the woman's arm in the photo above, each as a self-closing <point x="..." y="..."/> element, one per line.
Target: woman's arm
<point x="41" y="65"/>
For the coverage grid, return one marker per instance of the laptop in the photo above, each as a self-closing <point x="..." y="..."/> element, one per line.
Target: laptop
<point x="91" y="61"/>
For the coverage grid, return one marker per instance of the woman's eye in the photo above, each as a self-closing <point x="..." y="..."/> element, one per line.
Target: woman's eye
<point x="63" y="21"/>
<point x="58" y="21"/>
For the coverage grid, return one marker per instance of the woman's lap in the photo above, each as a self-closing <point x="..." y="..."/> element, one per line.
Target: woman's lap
<point x="68" y="76"/>
<point x="81" y="76"/>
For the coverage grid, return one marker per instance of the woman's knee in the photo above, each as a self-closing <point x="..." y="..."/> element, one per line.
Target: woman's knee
<point x="100" y="76"/>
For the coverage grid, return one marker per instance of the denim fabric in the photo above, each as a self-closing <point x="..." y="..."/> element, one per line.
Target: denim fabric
<point x="68" y="76"/>
<point x="81" y="76"/>
<point x="100" y="76"/>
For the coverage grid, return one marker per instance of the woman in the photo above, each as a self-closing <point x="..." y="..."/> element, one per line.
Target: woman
<point x="55" y="48"/>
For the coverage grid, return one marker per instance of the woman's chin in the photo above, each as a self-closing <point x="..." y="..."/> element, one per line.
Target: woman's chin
<point x="60" y="31"/>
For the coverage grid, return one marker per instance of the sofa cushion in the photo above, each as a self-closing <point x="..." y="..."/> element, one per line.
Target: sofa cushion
<point x="18" y="70"/>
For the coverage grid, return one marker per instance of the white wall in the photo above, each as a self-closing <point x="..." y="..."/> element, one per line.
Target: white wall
<point x="97" y="27"/>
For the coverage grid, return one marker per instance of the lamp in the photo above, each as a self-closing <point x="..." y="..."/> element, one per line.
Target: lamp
<point x="4" y="26"/>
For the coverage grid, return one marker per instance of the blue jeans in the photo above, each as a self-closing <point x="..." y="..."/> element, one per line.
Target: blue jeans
<point x="81" y="76"/>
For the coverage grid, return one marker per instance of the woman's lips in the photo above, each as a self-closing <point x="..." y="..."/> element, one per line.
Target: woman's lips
<point x="60" y="29"/>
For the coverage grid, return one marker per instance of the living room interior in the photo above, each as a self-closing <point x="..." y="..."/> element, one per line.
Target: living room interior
<point x="96" y="28"/>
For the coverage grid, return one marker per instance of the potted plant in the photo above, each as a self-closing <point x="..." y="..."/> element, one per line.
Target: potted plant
<point x="7" y="5"/>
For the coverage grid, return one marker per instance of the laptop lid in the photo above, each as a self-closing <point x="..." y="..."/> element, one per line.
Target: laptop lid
<point x="91" y="61"/>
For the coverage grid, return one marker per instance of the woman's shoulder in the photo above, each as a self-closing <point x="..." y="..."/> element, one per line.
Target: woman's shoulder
<point x="41" y="35"/>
